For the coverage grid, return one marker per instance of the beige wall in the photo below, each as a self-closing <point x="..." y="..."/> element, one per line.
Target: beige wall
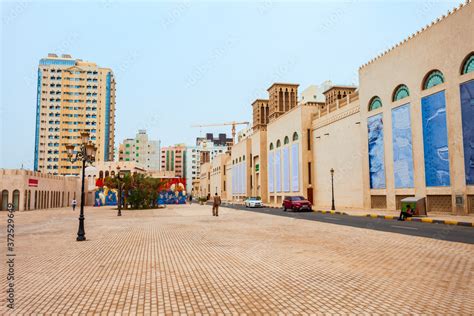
<point x="259" y="186"/>
<point x="443" y="46"/>
<point x="218" y="175"/>
<point x="336" y="139"/>
<point x="240" y="154"/>
<point x="205" y="180"/>
<point x="298" y="120"/>
<point x="51" y="192"/>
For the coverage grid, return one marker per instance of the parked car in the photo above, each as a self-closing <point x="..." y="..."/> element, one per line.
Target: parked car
<point x="253" y="202"/>
<point x="296" y="203"/>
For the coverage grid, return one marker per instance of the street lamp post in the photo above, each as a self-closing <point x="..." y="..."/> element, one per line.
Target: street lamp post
<point x="86" y="154"/>
<point x="119" y="202"/>
<point x="333" y="206"/>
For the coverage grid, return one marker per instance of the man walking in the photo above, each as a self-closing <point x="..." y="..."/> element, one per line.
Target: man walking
<point x="215" y="205"/>
<point x="74" y="203"/>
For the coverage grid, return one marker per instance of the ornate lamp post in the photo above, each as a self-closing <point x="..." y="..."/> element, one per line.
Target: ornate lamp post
<point x="120" y="176"/>
<point x="333" y="207"/>
<point x="86" y="154"/>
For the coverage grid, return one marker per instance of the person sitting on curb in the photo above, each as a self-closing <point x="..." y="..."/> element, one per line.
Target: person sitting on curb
<point x="408" y="213"/>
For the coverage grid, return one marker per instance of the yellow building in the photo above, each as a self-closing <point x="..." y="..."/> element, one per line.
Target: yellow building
<point x="72" y="96"/>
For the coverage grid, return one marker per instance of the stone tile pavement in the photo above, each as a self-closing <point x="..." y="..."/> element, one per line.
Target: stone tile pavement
<point x="181" y="260"/>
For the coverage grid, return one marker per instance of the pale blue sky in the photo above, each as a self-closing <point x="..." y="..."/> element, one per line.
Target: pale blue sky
<point x="178" y="64"/>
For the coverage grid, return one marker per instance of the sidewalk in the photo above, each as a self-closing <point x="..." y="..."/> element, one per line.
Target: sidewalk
<point x="436" y="218"/>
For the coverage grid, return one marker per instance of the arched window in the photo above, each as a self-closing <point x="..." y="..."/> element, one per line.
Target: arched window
<point x="468" y="64"/>
<point x="101" y="174"/>
<point x="375" y="103"/>
<point x="106" y="173"/>
<point x="295" y="136"/>
<point x="432" y="79"/>
<point x="401" y="92"/>
<point x="278" y="143"/>
<point x="4" y="202"/>
<point x="286" y="141"/>
<point x="16" y="200"/>
<point x="271" y="146"/>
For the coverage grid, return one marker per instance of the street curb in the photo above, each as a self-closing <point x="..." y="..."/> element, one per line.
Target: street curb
<point x="409" y="219"/>
<point x="389" y="217"/>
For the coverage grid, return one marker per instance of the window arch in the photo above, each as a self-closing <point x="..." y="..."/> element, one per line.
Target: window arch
<point x="433" y="78"/>
<point x="286" y="141"/>
<point x="468" y="64"/>
<point x="271" y="146"/>
<point x="375" y="103"/>
<point x="401" y="92"/>
<point x="278" y="143"/>
<point x="295" y="136"/>
<point x="101" y="174"/>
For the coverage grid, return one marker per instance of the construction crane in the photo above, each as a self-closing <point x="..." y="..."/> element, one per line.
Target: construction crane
<point x="233" y="123"/>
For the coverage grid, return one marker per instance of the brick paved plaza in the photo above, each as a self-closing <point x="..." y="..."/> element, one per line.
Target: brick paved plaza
<point x="181" y="260"/>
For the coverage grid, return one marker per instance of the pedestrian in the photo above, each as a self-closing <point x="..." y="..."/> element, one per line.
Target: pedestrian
<point x="190" y="199"/>
<point x="408" y="213"/>
<point x="74" y="203"/>
<point x="215" y="205"/>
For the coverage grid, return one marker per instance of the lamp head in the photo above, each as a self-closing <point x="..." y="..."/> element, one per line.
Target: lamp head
<point x="332" y="171"/>
<point x="84" y="137"/>
<point x="70" y="150"/>
<point x="90" y="151"/>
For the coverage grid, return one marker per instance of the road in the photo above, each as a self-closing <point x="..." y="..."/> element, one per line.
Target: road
<point x="428" y="230"/>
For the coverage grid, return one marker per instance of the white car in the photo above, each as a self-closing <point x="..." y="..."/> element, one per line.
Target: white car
<point x="253" y="202"/>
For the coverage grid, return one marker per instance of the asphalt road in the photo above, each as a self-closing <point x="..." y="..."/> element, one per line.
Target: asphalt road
<point x="435" y="231"/>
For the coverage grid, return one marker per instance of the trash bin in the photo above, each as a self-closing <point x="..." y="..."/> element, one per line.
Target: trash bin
<point x="417" y="204"/>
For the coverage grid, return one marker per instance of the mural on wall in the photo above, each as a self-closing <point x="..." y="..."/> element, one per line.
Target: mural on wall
<point x="402" y="147"/>
<point x="467" y="108"/>
<point x="270" y="172"/>
<point x="286" y="169"/>
<point x="105" y="196"/>
<point x="435" y="140"/>
<point x="376" y="152"/>
<point x="295" y="181"/>
<point x="172" y="191"/>
<point x="278" y="170"/>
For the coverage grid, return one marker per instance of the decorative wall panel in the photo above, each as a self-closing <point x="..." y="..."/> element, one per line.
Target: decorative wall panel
<point x="467" y="108"/>
<point x="402" y="147"/>
<point x="271" y="170"/>
<point x="286" y="169"/>
<point x="278" y="170"/>
<point x="435" y="140"/>
<point x="295" y="181"/>
<point x="376" y="152"/>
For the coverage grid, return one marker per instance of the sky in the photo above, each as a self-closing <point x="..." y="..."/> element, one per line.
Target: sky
<point x="179" y="64"/>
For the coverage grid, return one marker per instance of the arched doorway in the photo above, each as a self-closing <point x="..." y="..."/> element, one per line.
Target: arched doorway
<point x="4" y="202"/>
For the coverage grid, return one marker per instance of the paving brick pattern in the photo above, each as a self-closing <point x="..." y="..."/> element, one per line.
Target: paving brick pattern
<point x="181" y="260"/>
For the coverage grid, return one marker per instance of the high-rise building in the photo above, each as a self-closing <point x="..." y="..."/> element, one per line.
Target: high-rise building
<point x="141" y="150"/>
<point x="173" y="159"/>
<point x="73" y="96"/>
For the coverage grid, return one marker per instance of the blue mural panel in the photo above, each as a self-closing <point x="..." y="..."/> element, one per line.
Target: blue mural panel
<point x="402" y="147"/>
<point x="278" y="170"/>
<point x="435" y="140"/>
<point x="286" y="169"/>
<point x="271" y="187"/>
<point x="376" y="152"/>
<point x="295" y="180"/>
<point x="467" y="108"/>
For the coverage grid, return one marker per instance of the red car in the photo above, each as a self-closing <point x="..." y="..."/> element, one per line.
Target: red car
<point x="296" y="203"/>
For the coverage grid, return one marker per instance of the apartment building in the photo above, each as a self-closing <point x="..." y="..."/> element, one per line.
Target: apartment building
<point x="141" y="150"/>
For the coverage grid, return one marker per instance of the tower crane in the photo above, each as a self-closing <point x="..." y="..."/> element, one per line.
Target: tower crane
<point x="233" y="124"/>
